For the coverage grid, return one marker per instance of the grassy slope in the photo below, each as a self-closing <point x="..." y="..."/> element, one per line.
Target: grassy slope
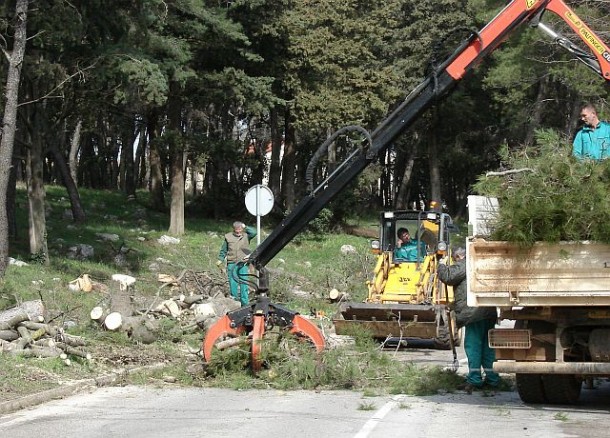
<point x="312" y="265"/>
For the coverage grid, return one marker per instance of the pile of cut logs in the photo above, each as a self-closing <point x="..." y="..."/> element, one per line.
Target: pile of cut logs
<point x="23" y="331"/>
<point x="122" y="311"/>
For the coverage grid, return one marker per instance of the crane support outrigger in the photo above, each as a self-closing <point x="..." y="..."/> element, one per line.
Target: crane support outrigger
<point x="261" y="314"/>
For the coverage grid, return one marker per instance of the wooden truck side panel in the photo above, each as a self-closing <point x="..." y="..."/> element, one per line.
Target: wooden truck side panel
<point x="506" y="274"/>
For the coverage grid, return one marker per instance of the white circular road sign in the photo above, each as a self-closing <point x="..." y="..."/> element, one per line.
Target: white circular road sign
<point x="259" y="200"/>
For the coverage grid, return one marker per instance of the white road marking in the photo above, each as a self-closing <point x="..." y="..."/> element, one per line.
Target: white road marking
<point x="370" y="425"/>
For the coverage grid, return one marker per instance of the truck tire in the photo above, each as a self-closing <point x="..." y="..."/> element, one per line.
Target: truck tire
<point x="561" y="389"/>
<point x="530" y="388"/>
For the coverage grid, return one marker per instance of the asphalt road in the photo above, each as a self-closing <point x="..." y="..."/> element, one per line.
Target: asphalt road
<point x="212" y="412"/>
<point x="149" y="412"/>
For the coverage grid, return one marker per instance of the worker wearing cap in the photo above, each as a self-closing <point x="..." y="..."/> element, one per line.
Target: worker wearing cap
<point x="235" y="250"/>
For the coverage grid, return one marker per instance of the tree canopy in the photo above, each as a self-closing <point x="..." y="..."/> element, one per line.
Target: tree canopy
<point x="195" y="101"/>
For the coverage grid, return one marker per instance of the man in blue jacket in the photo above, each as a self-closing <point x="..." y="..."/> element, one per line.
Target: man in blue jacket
<point x="407" y="249"/>
<point x="592" y="141"/>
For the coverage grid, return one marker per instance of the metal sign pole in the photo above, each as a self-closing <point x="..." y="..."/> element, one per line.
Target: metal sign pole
<point x="258" y="216"/>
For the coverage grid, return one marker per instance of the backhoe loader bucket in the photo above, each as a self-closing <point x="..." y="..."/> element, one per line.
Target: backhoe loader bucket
<point x="389" y="320"/>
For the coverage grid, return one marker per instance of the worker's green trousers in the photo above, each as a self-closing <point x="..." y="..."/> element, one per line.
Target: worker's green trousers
<point x="479" y="354"/>
<point x="239" y="289"/>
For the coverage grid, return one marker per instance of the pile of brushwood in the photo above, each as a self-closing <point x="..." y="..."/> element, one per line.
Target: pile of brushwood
<point x="545" y="194"/>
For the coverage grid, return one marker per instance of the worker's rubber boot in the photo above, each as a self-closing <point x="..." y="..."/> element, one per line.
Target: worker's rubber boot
<point x="489" y="357"/>
<point x="473" y="346"/>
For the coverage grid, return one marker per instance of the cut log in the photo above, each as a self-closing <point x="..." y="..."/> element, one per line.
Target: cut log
<point x="73" y="350"/>
<point x="169" y="307"/>
<point x="5" y="345"/>
<point x="36" y="352"/>
<point x="46" y="342"/>
<point x="334" y="295"/>
<point x="125" y="281"/>
<point x="231" y="342"/>
<point x="120" y="301"/>
<point x="34" y="310"/>
<point x="98" y="314"/>
<point x="74" y="341"/>
<point x="166" y="278"/>
<point x="141" y="329"/>
<point x="81" y="283"/>
<point x="15" y="319"/>
<point x="25" y="334"/>
<point x="9" y="335"/>
<point x="203" y="311"/>
<point x="192" y="299"/>
<point x="113" y="321"/>
<point x="34" y="326"/>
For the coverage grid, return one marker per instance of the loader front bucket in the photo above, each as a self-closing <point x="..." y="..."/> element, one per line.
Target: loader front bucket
<point x="384" y="321"/>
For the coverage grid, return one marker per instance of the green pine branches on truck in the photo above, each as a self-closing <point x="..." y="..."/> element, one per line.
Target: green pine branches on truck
<point x="545" y="194"/>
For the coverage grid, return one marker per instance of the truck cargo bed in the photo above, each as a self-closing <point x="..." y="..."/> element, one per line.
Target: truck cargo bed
<point x="507" y="274"/>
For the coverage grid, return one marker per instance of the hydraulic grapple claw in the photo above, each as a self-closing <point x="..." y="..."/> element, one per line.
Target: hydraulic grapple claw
<point x="304" y="327"/>
<point x="258" y="331"/>
<point x="254" y="320"/>
<point x="224" y="327"/>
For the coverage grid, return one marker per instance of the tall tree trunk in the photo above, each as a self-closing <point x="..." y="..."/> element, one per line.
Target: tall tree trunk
<point x="9" y="121"/>
<point x="117" y="139"/>
<point x="176" y="222"/>
<point x="78" y="213"/>
<point x="140" y="164"/>
<point x="36" y="201"/>
<point x="289" y="165"/>
<point x="402" y="197"/>
<point x="536" y="115"/>
<point x="73" y="154"/>
<point x="127" y="162"/>
<point x="433" y="163"/>
<point x="176" y="144"/>
<point x="156" y="173"/>
<point x="88" y="170"/>
<point x="11" y="197"/>
<point x="275" y="169"/>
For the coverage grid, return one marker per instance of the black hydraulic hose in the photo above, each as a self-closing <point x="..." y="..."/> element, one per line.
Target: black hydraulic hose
<point x="324" y="148"/>
<point x="245" y="278"/>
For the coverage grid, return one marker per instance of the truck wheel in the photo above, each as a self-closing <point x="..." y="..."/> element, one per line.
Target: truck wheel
<point x="561" y="389"/>
<point x="530" y="388"/>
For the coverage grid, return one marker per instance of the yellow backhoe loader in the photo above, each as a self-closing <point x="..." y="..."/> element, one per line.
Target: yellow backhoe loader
<point x="406" y="301"/>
